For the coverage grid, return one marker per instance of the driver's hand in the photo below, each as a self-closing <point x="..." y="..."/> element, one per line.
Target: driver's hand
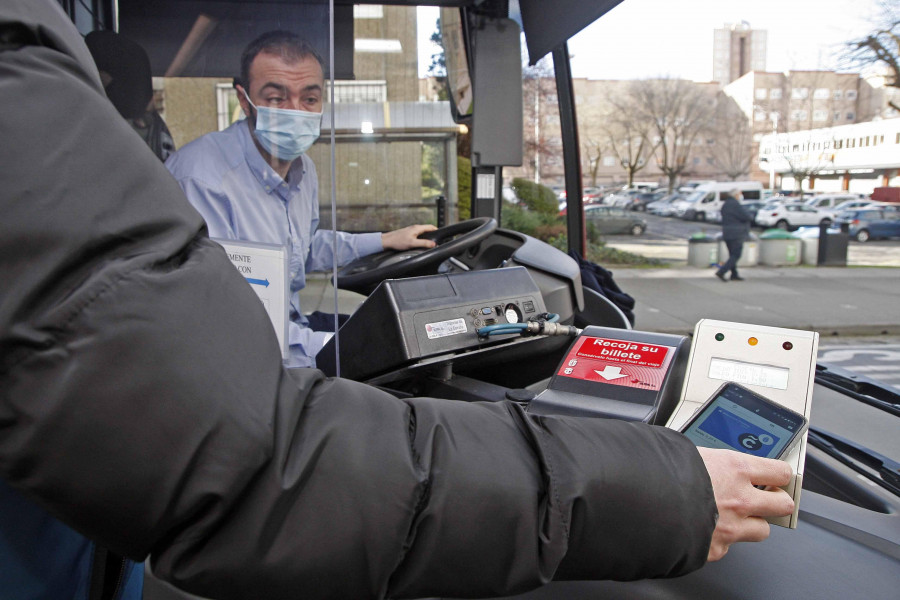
<point x="742" y="507"/>
<point x="406" y="238"/>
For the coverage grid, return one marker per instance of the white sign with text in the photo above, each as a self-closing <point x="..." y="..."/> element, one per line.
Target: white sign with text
<point x="265" y="268"/>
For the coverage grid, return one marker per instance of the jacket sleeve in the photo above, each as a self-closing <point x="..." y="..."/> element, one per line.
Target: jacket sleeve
<point x="143" y="401"/>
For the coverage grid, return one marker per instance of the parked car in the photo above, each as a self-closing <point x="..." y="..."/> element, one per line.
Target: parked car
<point x="831" y="201"/>
<point x="612" y="219"/>
<point x="663" y="207"/>
<point x="622" y="199"/>
<point x="752" y="207"/>
<point x="792" y="216"/>
<point x="591" y="195"/>
<point x="854" y="204"/>
<point x="870" y="223"/>
<point x="639" y="202"/>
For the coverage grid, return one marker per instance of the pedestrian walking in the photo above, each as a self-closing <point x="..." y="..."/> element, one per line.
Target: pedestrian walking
<point x="735" y="230"/>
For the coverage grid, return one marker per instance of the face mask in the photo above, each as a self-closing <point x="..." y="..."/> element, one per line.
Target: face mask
<point x="283" y="133"/>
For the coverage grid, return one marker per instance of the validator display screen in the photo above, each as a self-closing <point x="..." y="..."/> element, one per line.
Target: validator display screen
<point x="749" y="373"/>
<point x="739" y="420"/>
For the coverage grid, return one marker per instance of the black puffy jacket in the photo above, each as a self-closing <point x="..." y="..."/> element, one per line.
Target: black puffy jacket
<point x="143" y="401"/>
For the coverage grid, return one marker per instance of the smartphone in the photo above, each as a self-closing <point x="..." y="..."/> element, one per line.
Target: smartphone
<point x="737" y="418"/>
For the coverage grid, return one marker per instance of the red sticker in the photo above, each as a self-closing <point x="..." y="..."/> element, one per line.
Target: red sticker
<point x="618" y="362"/>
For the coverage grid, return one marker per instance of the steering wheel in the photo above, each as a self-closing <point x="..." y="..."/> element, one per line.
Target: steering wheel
<point x="364" y="274"/>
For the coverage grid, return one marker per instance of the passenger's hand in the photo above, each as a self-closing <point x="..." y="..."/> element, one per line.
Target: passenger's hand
<point x="743" y="507"/>
<point x="406" y="238"/>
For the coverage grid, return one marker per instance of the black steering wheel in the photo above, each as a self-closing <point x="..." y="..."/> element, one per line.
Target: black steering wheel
<point x="363" y="275"/>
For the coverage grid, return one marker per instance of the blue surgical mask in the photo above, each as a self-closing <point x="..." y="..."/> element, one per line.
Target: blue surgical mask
<point x="283" y="133"/>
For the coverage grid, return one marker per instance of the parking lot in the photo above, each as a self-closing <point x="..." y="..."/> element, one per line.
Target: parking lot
<point x="666" y="239"/>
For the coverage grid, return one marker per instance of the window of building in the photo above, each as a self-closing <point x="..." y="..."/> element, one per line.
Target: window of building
<point x="838" y="144"/>
<point x="837" y="115"/>
<point x="775" y="93"/>
<point x="609" y="161"/>
<point x="851" y="95"/>
<point x="372" y="11"/>
<point x="822" y="94"/>
<point x="228" y="109"/>
<point x="820" y="115"/>
<point x="761" y="93"/>
<point x="838" y="94"/>
<point x="800" y="93"/>
<point x="799" y="115"/>
<point x="897" y="139"/>
<point x="851" y="116"/>
<point x="759" y="116"/>
<point x="358" y="92"/>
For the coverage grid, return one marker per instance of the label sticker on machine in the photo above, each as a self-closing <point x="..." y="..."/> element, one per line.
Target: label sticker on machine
<point x="618" y="362"/>
<point x="444" y="328"/>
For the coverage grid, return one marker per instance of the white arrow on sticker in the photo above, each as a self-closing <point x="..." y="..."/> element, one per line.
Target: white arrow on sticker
<point x="609" y="373"/>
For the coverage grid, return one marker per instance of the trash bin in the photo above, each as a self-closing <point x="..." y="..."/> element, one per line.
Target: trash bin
<point x="750" y="254"/>
<point x="779" y="248"/>
<point x="832" y="251"/>
<point x="702" y="251"/>
<point x="809" y="245"/>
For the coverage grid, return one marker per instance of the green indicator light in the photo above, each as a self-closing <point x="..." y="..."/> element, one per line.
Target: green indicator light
<point x="720" y="337"/>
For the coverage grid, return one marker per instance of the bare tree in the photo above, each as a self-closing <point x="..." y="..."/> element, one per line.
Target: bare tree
<point x="626" y="130"/>
<point x="680" y="113"/>
<point x="733" y="137"/>
<point x="593" y="153"/>
<point x="881" y="47"/>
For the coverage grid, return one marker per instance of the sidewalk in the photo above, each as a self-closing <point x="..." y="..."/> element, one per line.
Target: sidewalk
<point x="860" y="299"/>
<point x="844" y="301"/>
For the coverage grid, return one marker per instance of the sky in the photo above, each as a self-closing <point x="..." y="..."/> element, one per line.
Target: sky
<point x="651" y="38"/>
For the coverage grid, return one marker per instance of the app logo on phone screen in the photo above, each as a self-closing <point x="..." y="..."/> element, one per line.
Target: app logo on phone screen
<point x="738" y="433"/>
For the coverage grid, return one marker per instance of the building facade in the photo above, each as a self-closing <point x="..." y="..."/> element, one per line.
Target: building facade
<point x="737" y="50"/>
<point x="801" y="101"/>
<point x="855" y="158"/>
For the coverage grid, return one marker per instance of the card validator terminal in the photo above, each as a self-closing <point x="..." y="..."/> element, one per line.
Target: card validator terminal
<point x="777" y="364"/>
<point x="617" y="373"/>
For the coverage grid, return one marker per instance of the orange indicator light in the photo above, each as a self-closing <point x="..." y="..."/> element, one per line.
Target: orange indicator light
<point x="753" y="341"/>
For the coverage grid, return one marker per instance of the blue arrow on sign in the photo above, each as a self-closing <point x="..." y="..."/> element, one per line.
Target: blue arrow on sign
<point x="262" y="282"/>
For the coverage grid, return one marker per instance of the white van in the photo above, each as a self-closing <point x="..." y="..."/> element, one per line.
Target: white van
<point x="705" y="201"/>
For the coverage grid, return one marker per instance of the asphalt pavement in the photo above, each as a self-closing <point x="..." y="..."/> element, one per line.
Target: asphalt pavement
<point x="861" y="299"/>
<point x="835" y="301"/>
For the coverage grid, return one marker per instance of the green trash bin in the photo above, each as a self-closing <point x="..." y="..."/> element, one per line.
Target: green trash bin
<point x="703" y="251"/>
<point x="779" y="248"/>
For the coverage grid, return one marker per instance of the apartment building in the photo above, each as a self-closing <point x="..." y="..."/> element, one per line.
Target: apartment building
<point x="737" y="50"/>
<point x="801" y="100"/>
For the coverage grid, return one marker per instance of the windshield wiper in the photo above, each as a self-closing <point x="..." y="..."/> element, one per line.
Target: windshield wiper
<point x="863" y="389"/>
<point x="868" y="463"/>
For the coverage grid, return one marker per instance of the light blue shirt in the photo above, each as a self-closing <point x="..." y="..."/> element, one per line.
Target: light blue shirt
<point x="242" y="198"/>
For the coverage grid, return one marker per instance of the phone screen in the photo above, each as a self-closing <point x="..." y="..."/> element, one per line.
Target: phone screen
<point x="737" y="418"/>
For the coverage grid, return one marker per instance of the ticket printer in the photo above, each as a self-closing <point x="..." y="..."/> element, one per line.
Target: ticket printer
<point x="619" y="374"/>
